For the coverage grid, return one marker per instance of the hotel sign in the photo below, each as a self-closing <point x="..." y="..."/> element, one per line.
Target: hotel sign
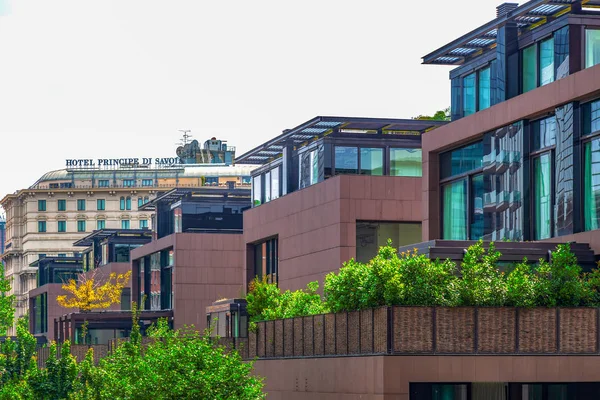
<point x="123" y="162"/>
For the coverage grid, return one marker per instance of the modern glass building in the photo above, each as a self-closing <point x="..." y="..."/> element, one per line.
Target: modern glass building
<point x="519" y="160"/>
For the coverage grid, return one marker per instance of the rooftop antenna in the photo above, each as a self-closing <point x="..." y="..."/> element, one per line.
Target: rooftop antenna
<point x="186" y="137"/>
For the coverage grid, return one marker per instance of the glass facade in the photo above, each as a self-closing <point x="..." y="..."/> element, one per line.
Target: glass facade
<point x="406" y="162"/>
<point x="485" y="88"/>
<point x="529" y="70"/>
<point x="546" y="62"/>
<point x="346" y="160"/>
<point x="592" y="47"/>
<point x="469" y="95"/>
<point x="371" y="161"/>
<point x="371" y="235"/>
<point x="461" y="160"/>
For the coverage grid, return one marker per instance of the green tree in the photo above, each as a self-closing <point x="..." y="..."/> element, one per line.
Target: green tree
<point x="60" y="376"/>
<point x="7" y="303"/>
<point x="481" y="283"/>
<point x="441" y="115"/>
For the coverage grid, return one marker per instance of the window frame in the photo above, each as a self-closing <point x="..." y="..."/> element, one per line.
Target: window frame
<point x="586" y="137"/>
<point x="465" y="175"/>
<point x="62" y="222"/>
<point x="125" y="222"/>
<point x="42" y="226"/>
<point x="42" y="205"/>
<point x="63" y="202"/>
<point x="98" y="221"/>
<point x="79" y="203"/>
<point x="81" y="223"/>
<point x="477" y="73"/>
<point x="100" y="204"/>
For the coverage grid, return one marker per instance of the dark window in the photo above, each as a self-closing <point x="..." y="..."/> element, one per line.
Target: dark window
<point x="266" y="260"/>
<point x="80" y="226"/>
<point x="122" y="203"/>
<point x="41" y="205"/>
<point x="62" y="226"/>
<point x="166" y="279"/>
<point x="128" y="203"/>
<point x="40" y="312"/>
<point x="81" y="205"/>
<point x="62" y="205"/>
<point x="370" y="235"/>
<point x="591" y="117"/>
<point x="212" y="181"/>
<point x="126" y="299"/>
<point x="41" y="226"/>
<point x="100" y="204"/>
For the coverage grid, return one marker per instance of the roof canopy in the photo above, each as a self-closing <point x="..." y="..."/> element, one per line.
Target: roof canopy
<point x="526" y="16"/>
<point x="105" y="233"/>
<point x="205" y="192"/>
<point x="321" y="125"/>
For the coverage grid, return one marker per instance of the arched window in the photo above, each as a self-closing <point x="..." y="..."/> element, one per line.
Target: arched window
<point x="122" y="203"/>
<point x="128" y="203"/>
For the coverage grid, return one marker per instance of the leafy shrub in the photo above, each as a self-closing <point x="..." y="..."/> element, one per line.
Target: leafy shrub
<point x="521" y="286"/>
<point x="481" y="283"/>
<point x="266" y="302"/>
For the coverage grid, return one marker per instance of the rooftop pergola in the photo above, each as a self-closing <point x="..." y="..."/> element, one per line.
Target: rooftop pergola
<point x="321" y="126"/>
<point x="527" y="16"/>
<point x="206" y="192"/>
<point x="106" y="233"/>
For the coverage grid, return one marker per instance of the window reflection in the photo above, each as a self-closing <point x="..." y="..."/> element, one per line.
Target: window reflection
<point x="591" y="184"/>
<point x="346" y="160"/>
<point x="529" y="72"/>
<point x="455" y="210"/>
<point x="469" y="102"/>
<point x="592" y="47"/>
<point x="542" y="175"/>
<point x="546" y="62"/>
<point x="371" y="161"/>
<point x="484" y="88"/>
<point x="406" y="162"/>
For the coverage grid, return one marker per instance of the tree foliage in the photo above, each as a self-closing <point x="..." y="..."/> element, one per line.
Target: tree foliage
<point x="91" y="292"/>
<point x="181" y="364"/>
<point x="441" y="115"/>
<point x="7" y="302"/>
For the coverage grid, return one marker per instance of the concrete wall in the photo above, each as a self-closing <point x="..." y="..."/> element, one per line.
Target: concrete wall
<point x="316" y="226"/>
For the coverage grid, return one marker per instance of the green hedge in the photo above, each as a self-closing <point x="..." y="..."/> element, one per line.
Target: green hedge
<point x="413" y="279"/>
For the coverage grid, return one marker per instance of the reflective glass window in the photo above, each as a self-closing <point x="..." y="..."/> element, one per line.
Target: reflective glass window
<point x="544" y="133"/>
<point x="274" y="183"/>
<point x="476" y="200"/>
<point x="592" y="47"/>
<point x="371" y="161"/>
<point x="485" y="88"/>
<point x="346" y="160"/>
<point x="406" y="162"/>
<point x="547" y="62"/>
<point x="591" y="185"/>
<point x="455" y="210"/>
<point x="461" y="160"/>
<point x="542" y="194"/>
<point x="256" y="190"/>
<point x="591" y="117"/>
<point x="314" y="167"/>
<point x="529" y="72"/>
<point x="267" y="187"/>
<point x="469" y="97"/>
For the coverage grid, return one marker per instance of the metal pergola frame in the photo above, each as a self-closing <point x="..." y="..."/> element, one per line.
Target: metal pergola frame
<point x="527" y="16"/>
<point x="321" y="126"/>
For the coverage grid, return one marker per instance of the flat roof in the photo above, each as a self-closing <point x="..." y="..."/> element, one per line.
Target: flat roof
<point x="527" y="16"/>
<point x="320" y="126"/>
<point x="105" y="233"/>
<point x="58" y="260"/>
<point x="204" y="192"/>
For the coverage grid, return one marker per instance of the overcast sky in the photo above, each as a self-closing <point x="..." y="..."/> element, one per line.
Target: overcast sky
<point x="104" y="78"/>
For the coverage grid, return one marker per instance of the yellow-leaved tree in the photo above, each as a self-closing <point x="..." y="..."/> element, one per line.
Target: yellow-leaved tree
<point x="92" y="292"/>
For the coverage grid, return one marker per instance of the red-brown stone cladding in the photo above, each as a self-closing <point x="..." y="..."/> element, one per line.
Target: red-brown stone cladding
<point x="207" y="267"/>
<point x="52" y="290"/>
<point x="316" y="226"/>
